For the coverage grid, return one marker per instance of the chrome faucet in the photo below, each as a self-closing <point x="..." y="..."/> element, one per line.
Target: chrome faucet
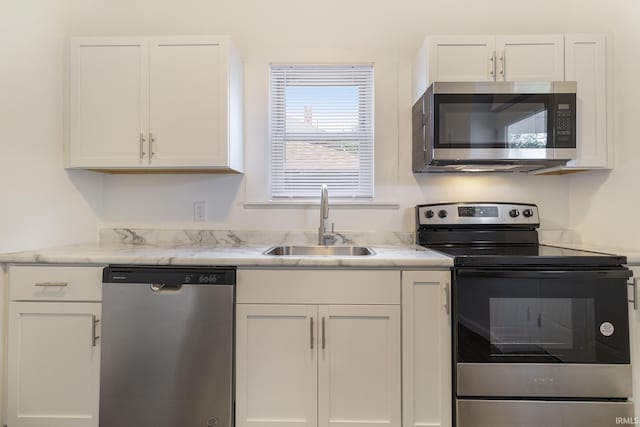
<point x="325" y="237"/>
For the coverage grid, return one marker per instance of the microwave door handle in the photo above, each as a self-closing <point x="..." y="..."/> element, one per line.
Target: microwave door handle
<point x="492" y="65"/>
<point x="546" y="274"/>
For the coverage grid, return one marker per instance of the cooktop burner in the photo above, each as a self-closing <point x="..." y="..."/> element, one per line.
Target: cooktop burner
<point x="495" y="235"/>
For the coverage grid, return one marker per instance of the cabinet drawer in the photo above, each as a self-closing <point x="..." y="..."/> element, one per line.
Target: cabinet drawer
<point x="53" y="283"/>
<point x="318" y="286"/>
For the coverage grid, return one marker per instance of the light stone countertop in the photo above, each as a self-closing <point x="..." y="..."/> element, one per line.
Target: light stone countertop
<point x="245" y="248"/>
<point x="397" y="256"/>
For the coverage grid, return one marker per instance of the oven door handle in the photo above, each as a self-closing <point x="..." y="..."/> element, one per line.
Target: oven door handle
<point x="546" y="274"/>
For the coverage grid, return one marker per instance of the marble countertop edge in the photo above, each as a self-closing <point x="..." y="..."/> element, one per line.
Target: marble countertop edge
<point x="409" y="256"/>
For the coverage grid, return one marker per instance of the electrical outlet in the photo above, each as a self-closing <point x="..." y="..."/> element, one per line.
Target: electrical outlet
<point x="200" y="211"/>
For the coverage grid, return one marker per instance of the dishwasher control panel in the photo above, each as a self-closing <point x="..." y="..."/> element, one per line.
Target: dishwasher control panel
<point x="169" y="275"/>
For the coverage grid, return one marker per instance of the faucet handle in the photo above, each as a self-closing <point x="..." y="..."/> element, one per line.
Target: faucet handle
<point x="329" y="239"/>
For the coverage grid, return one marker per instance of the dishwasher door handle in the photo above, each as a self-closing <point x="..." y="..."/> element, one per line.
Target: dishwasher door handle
<point x="163" y="287"/>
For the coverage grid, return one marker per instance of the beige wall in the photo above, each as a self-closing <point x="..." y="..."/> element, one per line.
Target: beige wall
<point x="41" y="204"/>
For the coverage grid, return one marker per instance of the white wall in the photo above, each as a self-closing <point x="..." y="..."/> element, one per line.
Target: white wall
<point x="60" y="203"/>
<point x="41" y="203"/>
<point x="605" y="205"/>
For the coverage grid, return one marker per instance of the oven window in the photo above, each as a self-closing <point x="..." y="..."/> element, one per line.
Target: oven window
<point x="534" y="326"/>
<point x="527" y="317"/>
<point x="492" y="121"/>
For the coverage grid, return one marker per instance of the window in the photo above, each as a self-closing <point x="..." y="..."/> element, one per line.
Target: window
<point x="322" y="131"/>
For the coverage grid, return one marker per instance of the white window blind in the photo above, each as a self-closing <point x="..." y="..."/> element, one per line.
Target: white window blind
<point x="322" y="131"/>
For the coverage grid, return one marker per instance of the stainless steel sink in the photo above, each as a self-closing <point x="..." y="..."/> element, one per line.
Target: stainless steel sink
<point x="319" y="251"/>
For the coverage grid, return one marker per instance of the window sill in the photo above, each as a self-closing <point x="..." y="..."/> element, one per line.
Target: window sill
<point x="314" y="204"/>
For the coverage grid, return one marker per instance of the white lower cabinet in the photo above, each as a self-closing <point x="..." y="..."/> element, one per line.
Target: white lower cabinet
<point x="317" y="364"/>
<point x="276" y="373"/>
<point x="426" y="348"/>
<point x="359" y="366"/>
<point x="53" y="347"/>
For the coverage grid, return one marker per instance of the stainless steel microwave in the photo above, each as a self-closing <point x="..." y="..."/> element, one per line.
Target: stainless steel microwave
<point x="494" y="126"/>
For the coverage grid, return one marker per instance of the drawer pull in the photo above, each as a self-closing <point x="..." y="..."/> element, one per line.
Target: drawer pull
<point x="52" y="284"/>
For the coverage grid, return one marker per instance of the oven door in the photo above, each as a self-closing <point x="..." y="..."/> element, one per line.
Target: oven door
<point x="542" y="333"/>
<point x="504" y="126"/>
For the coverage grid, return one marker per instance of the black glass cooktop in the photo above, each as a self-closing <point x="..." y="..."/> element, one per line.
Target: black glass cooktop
<point x="525" y="255"/>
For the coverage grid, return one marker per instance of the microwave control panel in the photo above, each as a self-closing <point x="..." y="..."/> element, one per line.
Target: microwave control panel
<point x="565" y="121"/>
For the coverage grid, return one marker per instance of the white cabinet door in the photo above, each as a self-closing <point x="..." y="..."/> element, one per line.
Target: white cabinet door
<point x="54" y="364"/>
<point x="586" y="63"/>
<point x="461" y="58"/>
<point x="108" y="105"/>
<point x="359" y="366"/>
<point x="276" y="369"/>
<point x="530" y="58"/>
<point x="188" y="102"/>
<point x="426" y="348"/>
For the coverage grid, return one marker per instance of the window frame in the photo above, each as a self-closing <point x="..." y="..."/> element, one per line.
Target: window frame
<point x="370" y="159"/>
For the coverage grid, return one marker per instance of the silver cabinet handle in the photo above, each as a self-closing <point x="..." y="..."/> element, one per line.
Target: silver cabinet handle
<point x="94" y="336"/>
<point x="152" y="139"/>
<point x="324" y="338"/>
<point x="503" y="64"/>
<point x="634" y="285"/>
<point x="311" y="331"/>
<point x="142" y="141"/>
<point x="492" y="65"/>
<point x="52" y="284"/>
<point x="447" y="298"/>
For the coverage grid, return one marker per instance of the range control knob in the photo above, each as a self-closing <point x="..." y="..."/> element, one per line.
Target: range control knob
<point x="429" y="214"/>
<point x="442" y="213"/>
<point x="527" y="213"/>
<point x="514" y="213"/>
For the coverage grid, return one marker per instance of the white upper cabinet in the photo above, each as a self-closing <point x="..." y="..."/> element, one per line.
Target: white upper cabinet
<point x="530" y="58"/>
<point x="155" y="103"/>
<point x="533" y="57"/>
<point x="488" y="58"/>
<point x="586" y="61"/>
<point x="108" y="102"/>
<point x="461" y="58"/>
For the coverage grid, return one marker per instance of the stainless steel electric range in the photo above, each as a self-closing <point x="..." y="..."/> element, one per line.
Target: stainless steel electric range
<point x="540" y="333"/>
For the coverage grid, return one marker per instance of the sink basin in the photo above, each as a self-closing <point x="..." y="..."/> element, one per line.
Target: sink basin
<point x="319" y="251"/>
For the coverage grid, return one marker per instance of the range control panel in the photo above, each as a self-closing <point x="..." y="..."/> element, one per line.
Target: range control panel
<point x="477" y="214"/>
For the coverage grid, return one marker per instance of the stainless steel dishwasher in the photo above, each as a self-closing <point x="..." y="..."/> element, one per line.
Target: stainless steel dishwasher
<point x="167" y="346"/>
